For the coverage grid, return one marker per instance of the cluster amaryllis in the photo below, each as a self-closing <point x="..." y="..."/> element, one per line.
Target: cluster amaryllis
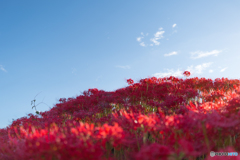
<point x="186" y="73"/>
<point x="156" y="118"/>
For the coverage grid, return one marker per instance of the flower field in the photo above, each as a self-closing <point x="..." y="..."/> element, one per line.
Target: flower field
<point x="157" y="118"/>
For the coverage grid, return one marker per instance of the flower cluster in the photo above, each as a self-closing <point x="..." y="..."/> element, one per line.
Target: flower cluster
<point x="157" y="118"/>
<point x="186" y="73"/>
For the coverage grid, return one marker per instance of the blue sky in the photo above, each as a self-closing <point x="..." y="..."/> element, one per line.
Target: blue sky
<point x="61" y="48"/>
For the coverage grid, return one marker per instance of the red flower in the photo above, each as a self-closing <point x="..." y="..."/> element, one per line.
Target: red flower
<point x="130" y="81"/>
<point x="154" y="151"/>
<point x="186" y="73"/>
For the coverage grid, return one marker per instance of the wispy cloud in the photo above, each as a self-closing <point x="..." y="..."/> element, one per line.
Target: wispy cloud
<point x="170" y="72"/>
<point x="222" y="70"/>
<point x="142" y="44"/>
<point x="179" y="73"/>
<point x="143" y="34"/>
<point x="200" y="54"/>
<point x="175" y="31"/>
<point x="170" y="54"/>
<point x="2" y="68"/>
<point x="158" y="35"/>
<point x="124" y="67"/>
<point x="210" y="71"/>
<point x="139" y="39"/>
<point x="199" y="68"/>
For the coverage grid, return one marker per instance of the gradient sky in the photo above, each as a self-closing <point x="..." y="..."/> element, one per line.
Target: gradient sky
<point x="61" y="48"/>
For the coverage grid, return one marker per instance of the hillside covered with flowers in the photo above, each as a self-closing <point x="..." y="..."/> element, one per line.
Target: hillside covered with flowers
<point x="156" y="118"/>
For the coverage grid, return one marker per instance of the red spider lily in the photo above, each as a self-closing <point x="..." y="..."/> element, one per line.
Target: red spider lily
<point x="130" y="81"/>
<point x="154" y="152"/>
<point x="186" y="73"/>
<point x="155" y="111"/>
<point x="93" y="91"/>
<point x="187" y="148"/>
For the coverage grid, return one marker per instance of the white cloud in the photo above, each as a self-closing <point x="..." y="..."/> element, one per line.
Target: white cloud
<point x="170" y="72"/>
<point x="158" y="35"/>
<point x="200" y="68"/>
<point x="142" y="44"/>
<point x="174" y="25"/>
<point x="200" y="54"/>
<point x="124" y="67"/>
<point x="154" y="40"/>
<point x="210" y="71"/>
<point x="3" y="69"/>
<point x="222" y="70"/>
<point x="179" y="73"/>
<point x="143" y="34"/>
<point x="139" y="39"/>
<point x="170" y="54"/>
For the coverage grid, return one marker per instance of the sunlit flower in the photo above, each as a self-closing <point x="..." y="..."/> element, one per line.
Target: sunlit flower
<point x="186" y="73"/>
<point x="130" y="81"/>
